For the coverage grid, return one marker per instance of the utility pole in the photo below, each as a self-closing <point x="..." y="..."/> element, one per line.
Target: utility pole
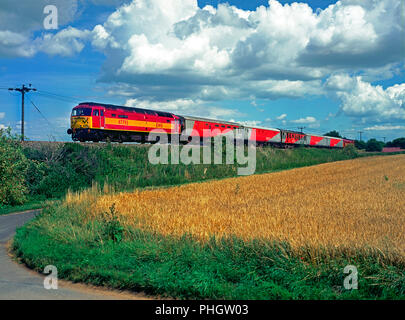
<point x="23" y="90"/>
<point x="301" y="128"/>
<point x="360" y="132"/>
<point x="384" y="139"/>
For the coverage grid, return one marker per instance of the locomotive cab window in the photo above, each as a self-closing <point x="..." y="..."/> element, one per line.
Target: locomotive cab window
<point x="81" y="112"/>
<point x="95" y="113"/>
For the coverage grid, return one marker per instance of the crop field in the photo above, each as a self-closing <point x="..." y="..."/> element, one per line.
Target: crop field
<point x="349" y="205"/>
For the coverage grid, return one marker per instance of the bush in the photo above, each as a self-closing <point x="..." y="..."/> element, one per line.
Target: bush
<point x="360" y="144"/>
<point x="399" y="143"/>
<point x="374" y="145"/>
<point x="333" y="133"/>
<point x="350" y="150"/>
<point x="13" y="166"/>
<point x="113" y="230"/>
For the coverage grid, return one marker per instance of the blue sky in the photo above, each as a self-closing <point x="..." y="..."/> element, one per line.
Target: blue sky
<point x="321" y="65"/>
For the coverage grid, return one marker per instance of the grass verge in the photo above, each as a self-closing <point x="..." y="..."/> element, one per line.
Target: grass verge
<point x="31" y="204"/>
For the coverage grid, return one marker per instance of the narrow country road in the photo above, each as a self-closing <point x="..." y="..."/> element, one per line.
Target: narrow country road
<point x="18" y="282"/>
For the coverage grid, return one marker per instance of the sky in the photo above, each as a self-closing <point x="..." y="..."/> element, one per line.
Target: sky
<point x="318" y="65"/>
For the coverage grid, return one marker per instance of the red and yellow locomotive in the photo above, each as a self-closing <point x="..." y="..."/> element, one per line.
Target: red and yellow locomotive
<point x="100" y="122"/>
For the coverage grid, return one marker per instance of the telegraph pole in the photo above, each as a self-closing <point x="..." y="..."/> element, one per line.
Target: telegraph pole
<point x="360" y="132"/>
<point x="301" y="128"/>
<point x="23" y="90"/>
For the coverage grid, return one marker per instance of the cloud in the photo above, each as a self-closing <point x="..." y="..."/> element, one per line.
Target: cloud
<point x="251" y="123"/>
<point x="282" y="116"/>
<point x="364" y="101"/>
<point x="2" y="115"/>
<point x="66" y="42"/>
<point x="186" y="107"/>
<point x="311" y="122"/>
<point x="384" y="128"/>
<point x="109" y="2"/>
<point x="172" y="49"/>
<point x="20" y="20"/>
<point x="354" y="33"/>
<point x="25" y="16"/>
<point x="15" y="44"/>
<point x="304" y="120"/>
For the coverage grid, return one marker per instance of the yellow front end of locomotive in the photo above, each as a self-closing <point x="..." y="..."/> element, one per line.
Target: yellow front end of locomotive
<point x="80" y="123"/>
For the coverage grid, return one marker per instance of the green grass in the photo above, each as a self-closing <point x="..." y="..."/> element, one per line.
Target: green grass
<point x="84" y="250"/>
<point x="33" y="202"/>
<point x="24" y="207"/>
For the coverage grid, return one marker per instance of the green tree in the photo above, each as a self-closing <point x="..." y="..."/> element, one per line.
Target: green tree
<point x="360" y="144"/>
<point x="13" y="166"/>
<point x="333" y="133"/>
<point x="374" y="145"/>
<point x="400" y="143"/>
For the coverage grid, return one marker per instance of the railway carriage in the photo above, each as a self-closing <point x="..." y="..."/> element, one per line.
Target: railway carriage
<point x="264" y="136"/>
<point x="204" y="128"/>
<point x="294" y="138"/>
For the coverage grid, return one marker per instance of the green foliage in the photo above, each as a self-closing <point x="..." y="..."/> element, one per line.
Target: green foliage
<point x="333" y="133"/>
<point x="350" y="150"/>
<point x="187" y="269"/>
<point x="399" y="143"/>
<point x="374" y="145"/>
<point x="13" y="165"/>
<point x="54" y="169"/>
<point x="113" y="230"/>
<point x="360" y="144"/>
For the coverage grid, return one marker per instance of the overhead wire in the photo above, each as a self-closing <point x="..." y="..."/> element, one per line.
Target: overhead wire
<point x="50" y="124"/>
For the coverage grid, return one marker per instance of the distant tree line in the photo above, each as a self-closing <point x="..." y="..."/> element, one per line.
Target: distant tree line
<point x="372" y="144"/>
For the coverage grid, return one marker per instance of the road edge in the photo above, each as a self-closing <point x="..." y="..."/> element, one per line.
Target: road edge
<point x="80" y="287"/>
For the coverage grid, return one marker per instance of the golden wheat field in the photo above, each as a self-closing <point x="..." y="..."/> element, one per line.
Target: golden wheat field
<point x="351" y="204"/>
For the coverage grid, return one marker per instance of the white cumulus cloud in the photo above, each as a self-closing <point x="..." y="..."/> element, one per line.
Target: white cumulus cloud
<point x="305" y="120"/>
<point x="282" y="116"/>
<point x="363" y="100"/>
<point x="174" y="49"/>
<point x="186" y="107"/>
<point x="384" y="128"/>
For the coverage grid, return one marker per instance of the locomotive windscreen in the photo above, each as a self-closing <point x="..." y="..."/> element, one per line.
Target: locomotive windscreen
<point x="81" y="112"/>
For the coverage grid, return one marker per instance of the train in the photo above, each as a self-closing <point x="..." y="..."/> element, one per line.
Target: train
<point x="95" y="122"/>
